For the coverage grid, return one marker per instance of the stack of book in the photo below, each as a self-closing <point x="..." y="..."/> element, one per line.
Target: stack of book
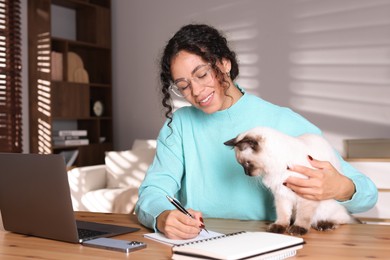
<point x="70" y="137"/>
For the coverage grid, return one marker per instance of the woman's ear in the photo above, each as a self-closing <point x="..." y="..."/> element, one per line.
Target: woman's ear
<point x="226" y="65"/>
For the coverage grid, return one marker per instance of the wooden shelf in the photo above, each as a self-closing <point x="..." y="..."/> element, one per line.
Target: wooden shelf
<point x="65" y="98"/>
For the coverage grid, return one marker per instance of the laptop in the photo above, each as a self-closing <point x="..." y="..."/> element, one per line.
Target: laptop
<point x="35" y="200"/>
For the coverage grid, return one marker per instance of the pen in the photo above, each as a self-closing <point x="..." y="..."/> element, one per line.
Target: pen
<point x="181" y="208"/>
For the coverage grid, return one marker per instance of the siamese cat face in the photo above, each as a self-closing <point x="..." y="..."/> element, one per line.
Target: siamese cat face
<point x="259" y="151"/>
<point x="248" y="150"/>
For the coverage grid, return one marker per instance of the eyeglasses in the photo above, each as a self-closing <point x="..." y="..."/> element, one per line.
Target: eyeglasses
<point x="202" y="75"/>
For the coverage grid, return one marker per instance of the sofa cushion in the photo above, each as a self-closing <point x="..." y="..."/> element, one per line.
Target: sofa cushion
<point x="127" y="168"/>
<point x="144" y="144"/>
<point x="103" y="200"/>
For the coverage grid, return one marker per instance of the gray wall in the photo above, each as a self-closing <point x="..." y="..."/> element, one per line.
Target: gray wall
<point x="328" y="60"/>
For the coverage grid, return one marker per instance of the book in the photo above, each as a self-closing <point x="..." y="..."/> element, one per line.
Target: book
<point x="240" y="245"/>
<point x="71" y="142"/>
<point x="160" y="237"/>
<point x="66" y="137"/>
<point x="70" y="133"/>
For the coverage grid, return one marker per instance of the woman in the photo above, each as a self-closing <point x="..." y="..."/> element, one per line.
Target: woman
<point x="194" y="165"/>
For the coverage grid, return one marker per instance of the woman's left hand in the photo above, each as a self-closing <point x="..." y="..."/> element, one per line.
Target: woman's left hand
<point x="323" y="182"/>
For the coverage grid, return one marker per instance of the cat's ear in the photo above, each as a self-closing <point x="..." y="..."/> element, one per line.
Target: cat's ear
<point x="231" y="142"/>
<point x="249" y="142"/>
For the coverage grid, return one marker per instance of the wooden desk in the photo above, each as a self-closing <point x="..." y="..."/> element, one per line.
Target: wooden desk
<point x="348" y="242"/>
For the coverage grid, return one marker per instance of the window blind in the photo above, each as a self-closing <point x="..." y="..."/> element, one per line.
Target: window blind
<point x="10" y="77"/>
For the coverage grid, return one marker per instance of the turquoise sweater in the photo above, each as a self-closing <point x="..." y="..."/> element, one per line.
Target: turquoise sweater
<point x="193" y="165"/>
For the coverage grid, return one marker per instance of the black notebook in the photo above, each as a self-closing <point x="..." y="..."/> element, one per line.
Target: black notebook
<point x="240" y="245"/>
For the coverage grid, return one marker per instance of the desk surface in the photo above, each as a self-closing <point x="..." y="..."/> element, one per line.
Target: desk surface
<point x="359" y="241"/>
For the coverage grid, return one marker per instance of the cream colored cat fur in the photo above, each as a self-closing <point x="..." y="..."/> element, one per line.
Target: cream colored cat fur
<point x="267" y="153"/>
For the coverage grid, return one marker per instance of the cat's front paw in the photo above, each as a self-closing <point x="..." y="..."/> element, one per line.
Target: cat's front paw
<point x="325" y="225"/>
<point x="276" y="228"/>
<point x="296" y="230"/>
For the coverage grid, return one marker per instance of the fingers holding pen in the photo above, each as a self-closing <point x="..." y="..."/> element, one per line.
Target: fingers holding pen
<point x="177" y="204"/>
<point x="175" y="225"/>
<point x="198" y="216"/>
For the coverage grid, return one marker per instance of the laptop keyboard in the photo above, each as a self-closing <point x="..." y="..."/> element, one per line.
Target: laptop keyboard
<point x="87" y="233"/>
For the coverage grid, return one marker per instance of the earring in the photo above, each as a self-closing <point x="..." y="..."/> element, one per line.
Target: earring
<point x="228" y="74"/>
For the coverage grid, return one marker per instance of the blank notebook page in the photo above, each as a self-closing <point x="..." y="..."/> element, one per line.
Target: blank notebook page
<point x="239" y="245"/>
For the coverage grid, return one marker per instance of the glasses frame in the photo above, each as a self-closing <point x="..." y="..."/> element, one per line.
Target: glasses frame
<point x="176" y="90"/>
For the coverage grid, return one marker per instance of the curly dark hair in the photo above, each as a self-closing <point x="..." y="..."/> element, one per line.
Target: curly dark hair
<point x="204" y="41"/>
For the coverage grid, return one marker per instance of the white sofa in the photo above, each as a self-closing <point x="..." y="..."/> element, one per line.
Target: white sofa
<point x="378" y="171"/>
<point x="113" y="186"/>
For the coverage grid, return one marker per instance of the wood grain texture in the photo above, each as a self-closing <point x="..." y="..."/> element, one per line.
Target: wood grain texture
<point x="358" y="241"/>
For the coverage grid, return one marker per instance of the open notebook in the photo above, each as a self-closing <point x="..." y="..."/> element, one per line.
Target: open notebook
<point x="160" y="237"/>
<point x="240" y="245"/>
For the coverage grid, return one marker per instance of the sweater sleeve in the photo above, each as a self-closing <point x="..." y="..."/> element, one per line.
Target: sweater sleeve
<point x="366" y="193"/>
<point x="162" y="178"/>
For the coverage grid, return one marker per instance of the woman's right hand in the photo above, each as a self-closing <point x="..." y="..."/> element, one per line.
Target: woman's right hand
<point x="176" y="225"/>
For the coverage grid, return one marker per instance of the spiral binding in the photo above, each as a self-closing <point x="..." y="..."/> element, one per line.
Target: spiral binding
<point x="211" y="238"/>
<point x="282" y="255"/>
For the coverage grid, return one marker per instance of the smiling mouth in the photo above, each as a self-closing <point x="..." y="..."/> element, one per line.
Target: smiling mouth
<point x="207" y="98"/>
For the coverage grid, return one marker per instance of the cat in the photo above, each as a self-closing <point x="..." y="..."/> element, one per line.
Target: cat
<point x="268" y="153"/>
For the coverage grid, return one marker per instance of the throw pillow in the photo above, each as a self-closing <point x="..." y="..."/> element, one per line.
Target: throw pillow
<point x="127" y="168"/>
<point x="144" y="144"/>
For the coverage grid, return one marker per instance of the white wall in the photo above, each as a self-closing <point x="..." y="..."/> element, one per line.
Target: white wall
<point x="328" y="60"/>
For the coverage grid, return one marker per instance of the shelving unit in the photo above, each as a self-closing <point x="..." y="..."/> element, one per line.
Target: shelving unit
<point x="65" y="103"/>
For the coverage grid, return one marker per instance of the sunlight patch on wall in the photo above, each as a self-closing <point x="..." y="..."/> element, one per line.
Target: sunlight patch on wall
<point x="309" y="8"/>
<point x="242" y="41"/>
<point x="348" y="56"/>
<point x="364" y="93"/>
<point x="341" y="74"/>
<point x="340" y="59"/>
<point x="251" y="85"/>
<point x="368" y="112"/>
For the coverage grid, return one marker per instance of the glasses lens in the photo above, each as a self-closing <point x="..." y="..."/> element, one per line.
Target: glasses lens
<point x="182" y="84"/>
<point x="176" y="91"/>
<point x="181" y="89"/>
<point x="203" y="75"/>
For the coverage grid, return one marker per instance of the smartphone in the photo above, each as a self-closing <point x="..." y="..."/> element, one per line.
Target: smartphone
<point x="115" y="244"/>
